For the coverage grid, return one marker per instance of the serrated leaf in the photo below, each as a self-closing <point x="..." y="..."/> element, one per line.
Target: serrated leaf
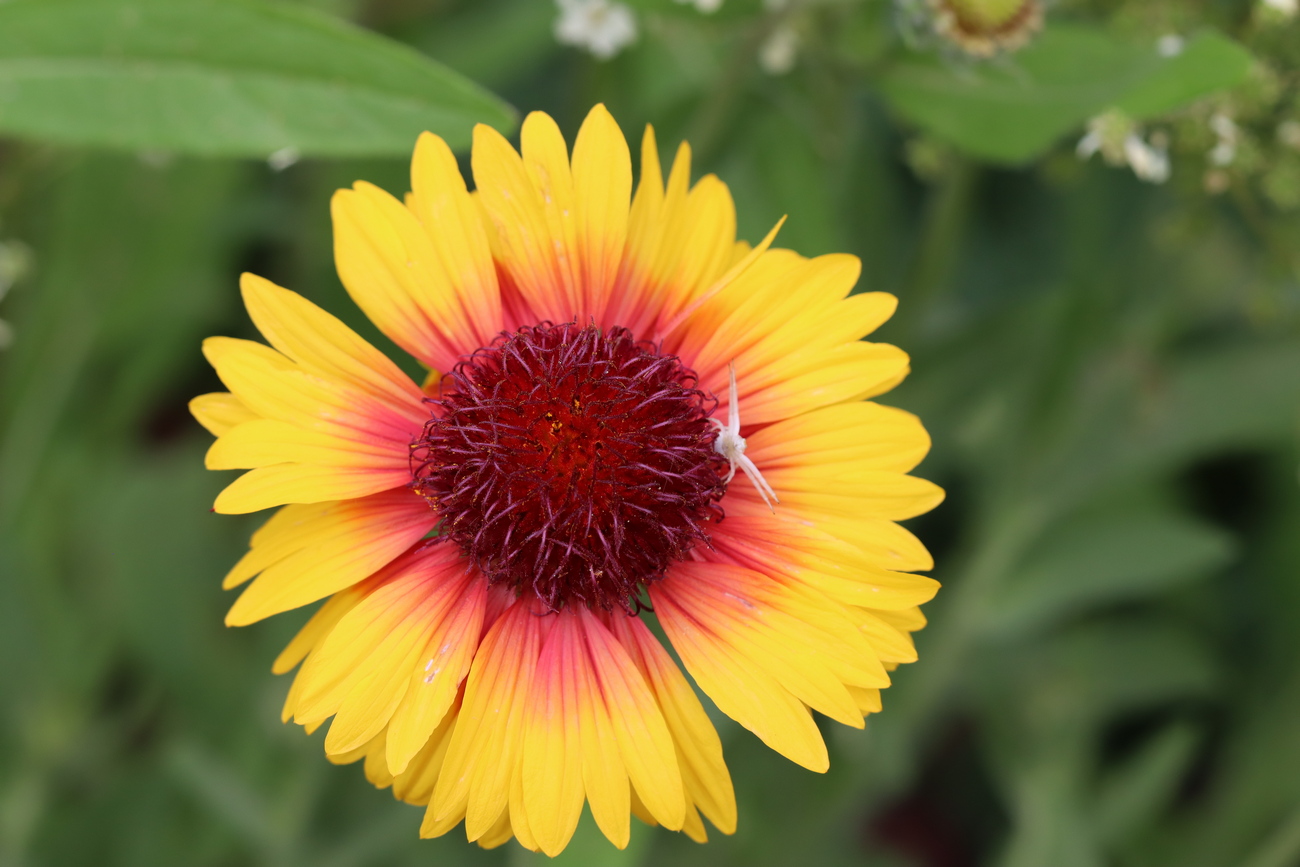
<point x="223" y="78"/>
<point x="1013" y="109"/>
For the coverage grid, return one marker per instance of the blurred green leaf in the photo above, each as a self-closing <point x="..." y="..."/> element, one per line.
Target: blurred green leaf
<point x="1103" y="559"/>
<point x="1014" y="109"/>
<point x="1281" y="848"/>
<point x="1208" y="63"/>
<point x="1134" y="793"/>
<point x="223" y="77"/>
<point x="492" y="43"/>
<point x="1049" y="827"/>
<point x="1223" y="398"/>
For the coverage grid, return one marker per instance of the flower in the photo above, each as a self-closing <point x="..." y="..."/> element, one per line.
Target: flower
<point x="1119" y="140"/>
<point x="984" y="28"/>
<point x="1227" y="136"/>
<point x="15" y="261"/>
<point x="1288" y="133"/>
<point x="489" y="542"/>
<point x="779" y="51"/>
<point x="1171" y="45"/>
<point x="601" y="27"/>
<point x="705" y="7"/>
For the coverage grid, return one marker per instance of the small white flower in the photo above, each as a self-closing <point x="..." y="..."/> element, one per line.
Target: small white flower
<point x="705" y="7"/>
<point x="1225" y="130"/>
<point x="1149" y="162"/>
<point x="1288" y="133"/>
<point x="600" y="26"/>
<point x="1089" y="144"/>
<point x="731" y="445"/>
<point x="1287" y="7"/>
<point x="1118" y="138"/>
<point x="15" y="261"/>
<point x="1170" y="45"/>
<point x="779" y="52"/>
<point x="283" y="158"/>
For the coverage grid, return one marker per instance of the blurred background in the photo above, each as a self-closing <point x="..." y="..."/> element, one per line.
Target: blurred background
<point x="1090" y="211"/>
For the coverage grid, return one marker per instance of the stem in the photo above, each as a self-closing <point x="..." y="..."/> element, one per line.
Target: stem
<point x="1281" y="848"/>
<point x="941" y="237"/>
<point x="1011" y="530"/>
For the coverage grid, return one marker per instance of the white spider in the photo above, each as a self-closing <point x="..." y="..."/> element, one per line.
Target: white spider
<point x="731" y="445"/>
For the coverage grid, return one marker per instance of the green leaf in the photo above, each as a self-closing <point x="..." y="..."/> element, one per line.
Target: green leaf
<point x="1208" y="63"/>
<point x="1134" y="793"/>
<point x="1229" y="397"/>
<point x="1013" y="109"/>
<point x="223" y="78"/>
<point x="1105" y="559"/>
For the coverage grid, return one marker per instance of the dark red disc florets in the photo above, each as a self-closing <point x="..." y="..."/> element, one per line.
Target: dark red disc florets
<point x="572" y="463"/>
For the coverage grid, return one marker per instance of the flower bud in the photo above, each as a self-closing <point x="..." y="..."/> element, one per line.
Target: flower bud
<point x="983" y="28"/>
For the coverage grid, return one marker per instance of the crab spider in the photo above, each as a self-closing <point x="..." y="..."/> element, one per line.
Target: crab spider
<point x="731" y="445"/>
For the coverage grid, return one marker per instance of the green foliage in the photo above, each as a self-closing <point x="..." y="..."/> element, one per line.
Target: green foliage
<point x="1110" y="371"/>
<point x="222" y="78"/>
<point x="1014" y="110"/>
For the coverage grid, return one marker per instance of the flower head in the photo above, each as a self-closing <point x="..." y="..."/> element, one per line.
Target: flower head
<point x="487" y="544"/>
<point x="602" y="27"/>
<point x="984" y="28"/>
<point x="1119" y="140"/>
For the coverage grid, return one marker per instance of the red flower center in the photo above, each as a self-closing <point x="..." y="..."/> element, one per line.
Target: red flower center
<point x="572" y="463"/>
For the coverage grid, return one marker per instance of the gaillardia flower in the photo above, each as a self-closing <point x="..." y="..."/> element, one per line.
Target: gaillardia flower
<point x="627" y="411"/>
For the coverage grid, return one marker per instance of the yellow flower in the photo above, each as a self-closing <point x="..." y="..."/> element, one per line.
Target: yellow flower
<point x="601" y="365"/>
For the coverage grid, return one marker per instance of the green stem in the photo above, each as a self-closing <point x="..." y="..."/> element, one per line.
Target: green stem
<point x="1281" y="848"/>
<point x="1011" y="530"/>
<point x="940" y="245"/>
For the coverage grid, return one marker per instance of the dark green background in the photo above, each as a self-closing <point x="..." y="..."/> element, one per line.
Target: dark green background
<point x="1110" y="370"/>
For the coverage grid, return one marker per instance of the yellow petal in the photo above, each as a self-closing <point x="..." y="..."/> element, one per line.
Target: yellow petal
<point x="854" y="436"/>
<point x="602" y="185"/>
<point x="546" y="160"/>
<point x="263" y="442"/>
<point x="699" y="751"/>
<point x="603" y="774"/>
<point x="314" y="631"/>
<point x="523" y="242"/>
<point x="891" y="496"/>
<point x="639" y="728"/>
<point x="742" y="691"/>
<point x="484" y="748"/>
<point x="499" y="834"/>
<point x="438" y="675"/>
<point x="392" y="269"/>
<point x="807" y="381"/>
<point x="266" y="487"/>
<point x="219" y="412"/>
<point x="361" y="671"/>
<point x="868" y="699"/>
<point x="551" y="762"/>
<point x="456" y="229"/>
<point x="889" y="643"/>
<point x="907" y="619"/>
<point x="415" y="784"/>
<point x="323" y="344"/>
<point x="305" y="553"/>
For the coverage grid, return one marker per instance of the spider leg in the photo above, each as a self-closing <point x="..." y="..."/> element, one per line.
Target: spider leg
<point x="764" y="489"/>
<point x="733" y="401"/>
